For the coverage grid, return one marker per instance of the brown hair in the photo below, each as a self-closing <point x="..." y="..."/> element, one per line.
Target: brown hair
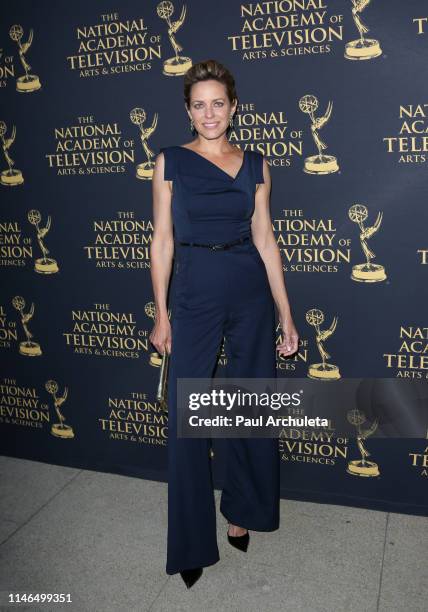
<point x="209" y="69"/>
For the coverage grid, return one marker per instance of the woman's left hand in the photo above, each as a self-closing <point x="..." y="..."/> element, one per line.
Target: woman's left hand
<point x="290" y="337"/>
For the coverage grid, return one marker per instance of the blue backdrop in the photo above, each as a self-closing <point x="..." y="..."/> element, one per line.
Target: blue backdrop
<point x="333" y="93"/>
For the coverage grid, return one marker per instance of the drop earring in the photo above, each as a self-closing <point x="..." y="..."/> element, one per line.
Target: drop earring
<point x="232" y="127"/>
<point x="192" y="125"/>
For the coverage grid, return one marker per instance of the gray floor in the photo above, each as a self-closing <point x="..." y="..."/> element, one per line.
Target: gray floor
<point x="101" y="537"/>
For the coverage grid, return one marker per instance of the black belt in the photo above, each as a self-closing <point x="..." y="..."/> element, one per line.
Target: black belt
<point x="216" y="247"/>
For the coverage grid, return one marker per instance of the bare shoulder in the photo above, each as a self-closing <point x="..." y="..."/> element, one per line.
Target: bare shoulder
<point x="160" y="159"/>
<point x="158" y="170"/>
<point x="266" y="168"/>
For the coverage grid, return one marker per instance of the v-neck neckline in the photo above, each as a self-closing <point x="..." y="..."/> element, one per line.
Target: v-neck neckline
<point x="232" y="178"/>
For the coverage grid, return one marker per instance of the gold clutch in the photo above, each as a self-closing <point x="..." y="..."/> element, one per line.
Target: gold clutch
<point x="162" y="392"/>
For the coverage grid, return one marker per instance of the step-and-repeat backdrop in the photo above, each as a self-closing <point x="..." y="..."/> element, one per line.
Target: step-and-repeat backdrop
<point x="334" y="94"/>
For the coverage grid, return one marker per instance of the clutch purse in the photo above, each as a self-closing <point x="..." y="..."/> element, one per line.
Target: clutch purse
<point x="162" y="391"/>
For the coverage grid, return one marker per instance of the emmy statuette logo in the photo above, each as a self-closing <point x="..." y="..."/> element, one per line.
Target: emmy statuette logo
<point x="317" y="164"/>
<point x="12" y="176"/>
<point x="322" y="371"/>
<point x="366" y="272"/>
<point x="43" y="265"/>
<point x="145" y="169"/>
<point x="179" y="64"/>
<point x="362" y="467"/>
<point x="27" y="347"/>
<point x="363" y="48"/>
<point x="60" y="430"/>
<point x="29" y="82"/>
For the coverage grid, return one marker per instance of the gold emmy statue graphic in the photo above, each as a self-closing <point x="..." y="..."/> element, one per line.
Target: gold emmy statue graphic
<point x="362" y="467"/>
<point x="178" y="65"/>
<point x="60" y="430"/>
<point x="29" y="82"/>
<point x="363" y="48"/>
<point x="11" y="177"/>
<point x="28" y="347"/>
<point x="322" y="371"/>
<point x="317" y="164"/>
<point x="366" y="272"/>
<point x="138" y="117"/>
<point x="43" y="265"/>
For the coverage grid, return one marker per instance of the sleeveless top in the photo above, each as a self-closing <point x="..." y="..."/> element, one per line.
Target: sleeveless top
<point x="208" y="204"/>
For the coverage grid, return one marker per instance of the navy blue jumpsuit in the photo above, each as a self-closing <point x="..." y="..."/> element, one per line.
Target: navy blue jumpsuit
<point x="216" y="294"/>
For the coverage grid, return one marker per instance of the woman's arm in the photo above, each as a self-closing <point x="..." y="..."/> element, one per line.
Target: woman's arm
<point x="161" y="254"/>
<point x="264" y="240"/>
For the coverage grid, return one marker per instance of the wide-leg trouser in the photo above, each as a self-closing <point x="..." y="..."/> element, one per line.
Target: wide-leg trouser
<point x="215" y="294"/>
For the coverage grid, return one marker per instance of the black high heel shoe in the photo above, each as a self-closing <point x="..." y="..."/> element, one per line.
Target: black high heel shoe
<point x="239" y="542"/>
<point x="190" y="576"/>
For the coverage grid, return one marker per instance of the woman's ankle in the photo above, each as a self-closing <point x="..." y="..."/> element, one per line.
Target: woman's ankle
<point x="236" y="531"/>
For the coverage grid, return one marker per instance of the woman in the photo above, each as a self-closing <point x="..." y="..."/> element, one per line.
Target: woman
<point x="215" y="195"/>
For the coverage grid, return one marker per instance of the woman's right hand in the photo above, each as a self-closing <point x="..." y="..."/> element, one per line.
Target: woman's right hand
<point x="160" y="335"/>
